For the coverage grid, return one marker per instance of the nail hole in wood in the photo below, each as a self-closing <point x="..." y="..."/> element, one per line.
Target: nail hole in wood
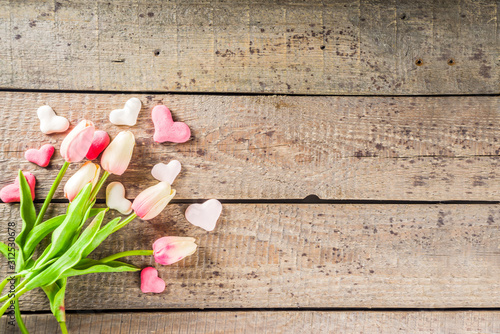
<point x="403" y="16"/>
<point x="156" y="53"/>
<point x="419" y="62"/>
<point x="322" y="47"/>
<point x="451" y="61"/>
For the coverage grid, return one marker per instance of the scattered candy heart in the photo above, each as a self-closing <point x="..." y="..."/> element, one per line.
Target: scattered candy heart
<point x="150" y="282"/>
<point x="166" y="129"/>
<point x="50" y="122"/>
<point x="115" y="198"/>
<point x="42" y="156"/>
<point x="99" y="143"/>
<point x="204" y="215"/>
<point x="166" y="172"/>
<point x="11" y="192"/>
<point x="128" y="115"/>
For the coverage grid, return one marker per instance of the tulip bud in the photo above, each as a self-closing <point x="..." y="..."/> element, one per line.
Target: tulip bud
<point x="117" y="155"/>
<point x="77" y="143"/>
<point x="151" y="201"/>
<point x="168" y="250"/>
<point x="88" y="173"/>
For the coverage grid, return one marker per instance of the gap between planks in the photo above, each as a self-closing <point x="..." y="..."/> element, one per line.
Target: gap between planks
<point x="152" y="92"/>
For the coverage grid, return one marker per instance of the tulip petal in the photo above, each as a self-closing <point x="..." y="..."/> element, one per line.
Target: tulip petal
<point x="151" y="201"/>
<point x="77" y="143"/>
<point x="88" y="173"/>
<point x="116" y="157"/>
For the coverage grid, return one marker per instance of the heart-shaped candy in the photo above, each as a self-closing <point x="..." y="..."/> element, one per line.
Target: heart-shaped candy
<point x="99" y="143"/>
<point x="166" y="172"/>
<point x="115" y="198"/>
<point x="50" y="122"/>
<point x="204" y="215"/>
<point x="165" y="127"/>
<point x="11" y="193"/>
<point x="42" y="156"/>
<point x="128" y="115"/>
<point x="150" y="282"/>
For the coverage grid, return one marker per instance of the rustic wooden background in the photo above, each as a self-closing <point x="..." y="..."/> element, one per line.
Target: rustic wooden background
<point x="387" y="111"/>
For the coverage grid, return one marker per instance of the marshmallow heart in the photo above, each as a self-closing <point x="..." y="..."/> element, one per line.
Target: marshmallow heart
<point x="50" y="122"/>
<point x="204" y="215"/>
<point x="166" y="129"/>
<point x="115" y="198"/>
<point x="150" y="282"/>
<point x="166" y="173"/>
<point x="40" y="157"/>
<point x="128" y="115"/>
<point x="99" y="143"/>
<point x="12" y="193"/>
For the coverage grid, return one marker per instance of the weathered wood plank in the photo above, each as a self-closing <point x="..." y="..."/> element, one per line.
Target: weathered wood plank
<point x="366" y="322"/>
<point x="318" y="47"/>
<point x="272" y="256"/>
<point x="413" y="148"/>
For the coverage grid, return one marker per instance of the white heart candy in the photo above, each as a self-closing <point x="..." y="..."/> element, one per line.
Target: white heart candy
<point x="115" y="198"/>
<point x="166" y="173"/>
<point x="204" y="215"/>
<point x="50" y="122"/>
<point x="128" y="115"/>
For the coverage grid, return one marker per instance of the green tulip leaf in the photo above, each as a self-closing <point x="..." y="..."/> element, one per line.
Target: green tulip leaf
<point x="71" y="257"/>
<point x="87" y="214"/>
<point x="39" y="232"/>
<point x="55" y="293"/>
<point x="101" y="236"/>
<point x="26" y="209"/>
<point x="90" y="266"/>
<point x="63" y="235"/>
<point x="4" y="249"/>
<point x="95" y="211"/>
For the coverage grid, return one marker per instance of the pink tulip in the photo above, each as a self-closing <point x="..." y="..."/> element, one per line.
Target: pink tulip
<point x="151" y="201"/>
<point x="77" y="143"/>
<point x="168" y="250"/>
<point x="116" y="157"/>
<point x="88" y="173"/>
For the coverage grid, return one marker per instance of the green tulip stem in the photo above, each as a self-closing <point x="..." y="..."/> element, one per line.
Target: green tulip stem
<point x="127" y="253"/>
<point x="17" y="311"/>
<point x="7" y="280"/>
<point x="12" y="299"/>
<point x="98" y="186"/>
<point x="64" y="330"/>
<point x="16" y="291"/>
<point x="125" y="222"/>
<point x="52" y="190"/>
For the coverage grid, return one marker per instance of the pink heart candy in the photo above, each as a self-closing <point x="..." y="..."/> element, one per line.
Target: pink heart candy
<point x="166" y="173"/>
<point x="11" y="192"/>
<point x="166" y="129"/>
<point x="150" y="282"/>
<point x="99" y="143"/>
<point x="42" y="156"/>
<point x="204" y="215"/>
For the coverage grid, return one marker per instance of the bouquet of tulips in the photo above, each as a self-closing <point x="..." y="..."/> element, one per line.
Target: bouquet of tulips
<point x="71" y="239"/>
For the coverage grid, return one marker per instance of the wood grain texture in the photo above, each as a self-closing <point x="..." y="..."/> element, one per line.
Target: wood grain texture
<point x="289" y="255"/>
<point x="294" y="47"/>
<point x="269" y="147"/>
<point x="362" y="322"/>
